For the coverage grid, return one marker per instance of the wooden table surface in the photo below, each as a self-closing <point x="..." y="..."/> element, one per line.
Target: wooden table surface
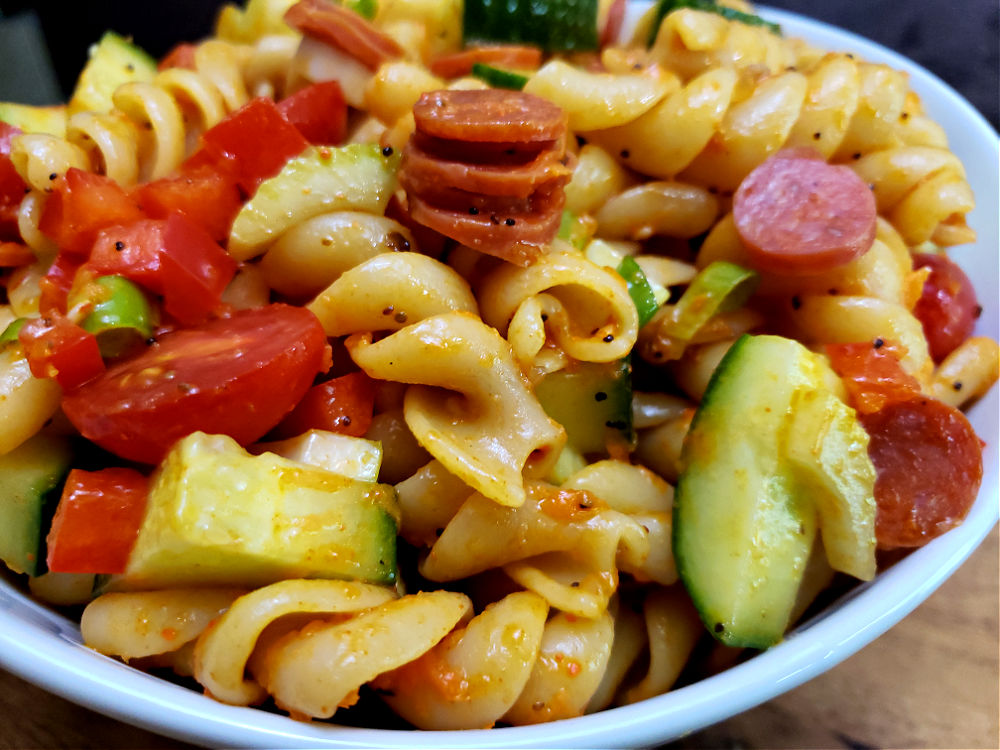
<point x="930" y="682"/>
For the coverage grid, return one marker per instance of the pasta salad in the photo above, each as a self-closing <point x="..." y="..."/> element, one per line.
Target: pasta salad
<point x="464" y="359"/>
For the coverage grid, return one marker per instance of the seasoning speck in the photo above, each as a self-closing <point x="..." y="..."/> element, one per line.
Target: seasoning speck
<point x="878" y="343"/>
<point x="387" y="151"/>
<point x="510" y="222"/>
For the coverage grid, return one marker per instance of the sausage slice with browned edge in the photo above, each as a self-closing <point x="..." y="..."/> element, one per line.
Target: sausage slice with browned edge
<point x="798" y="215"/>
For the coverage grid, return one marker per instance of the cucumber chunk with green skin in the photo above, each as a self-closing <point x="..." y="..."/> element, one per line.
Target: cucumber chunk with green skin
<point x="357" y="177"/>
<point x="9" y="335"/>
<point x="31" y="476"/>
<point x="114" y="60"/>
<point x="553" y="25"/>
<point x="743" y="525"/>
<point x="639" y="289"/>
<point x="217" y="516"/>
<point x="588" y="401"/>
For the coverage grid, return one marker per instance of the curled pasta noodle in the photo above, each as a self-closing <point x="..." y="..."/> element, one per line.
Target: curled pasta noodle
<point x="391" y="291"/>
<point x="469" y="405"/>
<point x="629" y="641"/>
<point x="428" y="500"/>
<point x="483" y="535"/>
<point x="596" y="177"/>
<point x="659" y="447"/>
<point x="144" y="623"/>
<point x="222" y="651"/>
<point x="657" y="208"/>
<point x="313" y="671"/>
<point x="967" y="373"/>
<point x="471" y="678"/>
<point x="402" y="455"/>
<point x="589" y="314"/>
<point x="572" y="659"/>
<point x="29" y="214"/>
<point x="38" y="156"/>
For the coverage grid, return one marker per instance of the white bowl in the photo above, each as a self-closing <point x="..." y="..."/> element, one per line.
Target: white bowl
<point x="45" y="648"/>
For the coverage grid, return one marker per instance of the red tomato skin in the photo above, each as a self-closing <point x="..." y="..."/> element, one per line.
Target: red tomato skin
<point x="235" y="376"/>
<point x="57" y="282"/>
<point x="343" y="405"/>
<point x="14" y="254"/>
<point x="194" y="271"/>
<point x="947" y="307"/>
<point x="56" y="348"/>
<point x="132" y="250"/>
<point x="12" y="187"/>
<point x="929" y="465"/>
<point x="97" y="521"/>
<point x="201" y="192"/>
<point x="181" y="56"/>
<point x="81" y="204"/>
<point x="319" y="112"/>
<point x="872" y="374"/>
<point x="258" y="138"/>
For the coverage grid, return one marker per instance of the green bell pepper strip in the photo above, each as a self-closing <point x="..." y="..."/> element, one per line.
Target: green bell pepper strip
<point x="121" y="315"/>
<point x="665" y="7"/>
<point x="639" y="289"/>
<point x="9" y="335"/>
<point x="719" y="287"/>
<point x="498" y="78"/>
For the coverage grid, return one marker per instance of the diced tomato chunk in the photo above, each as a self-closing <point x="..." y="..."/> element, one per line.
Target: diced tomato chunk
<point x="97" y="521"/>
<point x="319" y="112"/>
<point x="872" y="374"/>
<point x="173" y="257"/>
<point x="947" y="307"/>
<point x="342" y="405"/>
<point x="12" y="187"/>
<point x="56" y="348"/>
<point x="195" y="271"/>
<point x="57" y="282"/>
<point x="258" y="138"/>
<point x="82" y="204"/>
<point x="181" y="56"/>
<point x="201" y="192"/>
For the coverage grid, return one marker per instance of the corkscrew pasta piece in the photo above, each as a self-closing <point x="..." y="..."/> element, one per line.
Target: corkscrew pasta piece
<point x="467" y="389"/>
<point x="313" y="671"/>
<point x="583" y="307"/>
<point x="472" y="677"/>
<point x="26" y="402"/>
<point x="222" y="651"/>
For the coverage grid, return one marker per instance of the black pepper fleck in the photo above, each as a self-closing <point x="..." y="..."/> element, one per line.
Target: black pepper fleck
<point x="473" y="211"/>
<point x="151" y="340"/>
<point x="600" y="396"/>
<point x="625" y="153"/>
<point x="608" y="339"/>
<point x="719" y="627"/>
<point x="400" y="317"/>
<point x="978" y="311"/>
<point x="957" y="385"/>
<point x="856" y="155"/>
<point x="389" y="310"/>
<point x="817" y="135"/>
<point x="575" y="584"/>
<point x="387" y="151"/>
<point x="796" y="302"/>
<point x="878" y="343"/>
<point x="510" y="222"/>
<point x="119" y="246"/>
<point x="53" y="175"/>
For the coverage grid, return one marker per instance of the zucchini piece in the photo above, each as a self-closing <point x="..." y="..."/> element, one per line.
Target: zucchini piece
<point x="498" y="78"/>
<point x="829" y="449"/>
<point x="553" y="25"/>
<point x="358" y="177"/>
<point x="217" y="516"/>
<point x="114" y="60"/>
<point x="666" y="7"/>
<point x="31" y="478"/>
<point x="589" y="401"/>
<point x="743" y="526"/>
<point x="35" y="119"/>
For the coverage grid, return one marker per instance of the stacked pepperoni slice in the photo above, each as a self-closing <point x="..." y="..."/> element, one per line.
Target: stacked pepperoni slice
<point x="487" y="168"/>
<point x="344" y="29"/>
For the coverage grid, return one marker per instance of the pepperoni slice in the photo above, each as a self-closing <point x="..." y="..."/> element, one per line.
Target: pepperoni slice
<point x="929" y="465"/>
<point x="489" y="116"/>
<point x="424" y="170"/>
<point x="516" y="56"/>
<point x="344" y="29"/>
<point x="797" y="215"/>
<point x="518" y="240"/>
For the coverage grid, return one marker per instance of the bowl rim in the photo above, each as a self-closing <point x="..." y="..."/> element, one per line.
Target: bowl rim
<point x="43" y="647"/>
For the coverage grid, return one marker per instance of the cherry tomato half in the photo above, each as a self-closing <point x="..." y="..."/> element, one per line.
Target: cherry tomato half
<point x="948" y="307"/>
<point x="235" y="376"/>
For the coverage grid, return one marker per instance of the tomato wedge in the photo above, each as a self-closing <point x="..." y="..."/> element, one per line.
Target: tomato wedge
<point x="81" y="205"/>
<point x="56" y="348"/>
<point x="342" y="405"/>
<point x="235" y="376"/>
<point x="97" y="521"/>
<point x="947" y="307"/>
<point x="202" y="192"/>
<point x="319" y="112"/>
<point x="872" y="375"/>
<point x="929" y="464"/>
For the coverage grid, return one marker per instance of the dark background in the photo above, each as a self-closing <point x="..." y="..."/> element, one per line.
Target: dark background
<point x="956" y="39"/>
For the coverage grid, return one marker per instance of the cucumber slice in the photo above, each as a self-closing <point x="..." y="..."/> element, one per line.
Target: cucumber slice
<point x="743" y="527"/>
<point x="590" y="401"/>
<point x="553" y="25"/>
<point x="114" y="60"/>
<point x="31" y="476"/>
<point x="498" y="78"/>
<point x="665" y="7"/>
